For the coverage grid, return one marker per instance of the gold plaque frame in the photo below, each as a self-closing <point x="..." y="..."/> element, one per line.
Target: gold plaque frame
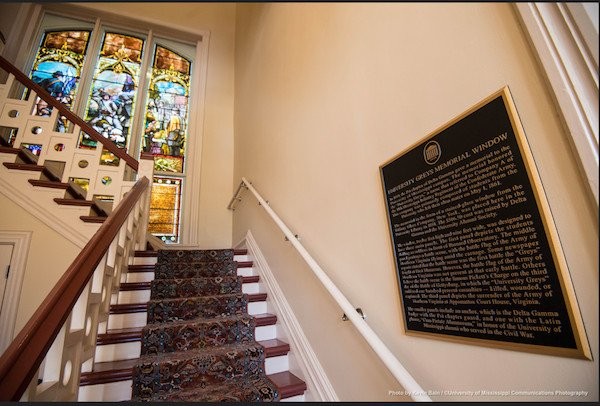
<point x="582" y="349"/>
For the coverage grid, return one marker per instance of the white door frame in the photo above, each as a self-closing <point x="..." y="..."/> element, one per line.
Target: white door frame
<point x="21" y="241"/>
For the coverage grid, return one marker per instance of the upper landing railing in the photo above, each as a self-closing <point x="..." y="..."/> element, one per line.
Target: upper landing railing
<point x="387" y="357"/>
<point x="106" y="176"/>
<point x="64" y="111"/>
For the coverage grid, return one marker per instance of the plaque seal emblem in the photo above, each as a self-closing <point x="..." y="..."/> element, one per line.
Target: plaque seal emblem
<point x="432" y="152"/>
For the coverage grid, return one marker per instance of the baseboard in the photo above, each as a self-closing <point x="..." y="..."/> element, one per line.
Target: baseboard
<point x="316" y="379"/>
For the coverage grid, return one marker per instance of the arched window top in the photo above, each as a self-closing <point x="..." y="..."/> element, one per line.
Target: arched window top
<point x="166" y="119"/>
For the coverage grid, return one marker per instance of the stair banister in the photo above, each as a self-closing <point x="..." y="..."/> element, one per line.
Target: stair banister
<point x="64" y="111"/>
<point x="387" y="357"/>
<point x="21" y="360"/>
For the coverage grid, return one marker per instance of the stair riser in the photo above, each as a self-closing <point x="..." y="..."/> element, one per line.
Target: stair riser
<point x="127" y="320"/>
<point x="142" y="296"/>
<point x="144" y="260"/>
<point x="121" y="391"/>
<point x="134" y="296"/>
<point x="297" y="398"/>
<point x="149" y="276"/>
<point x="131" y="320"/>
<point x="274" y="365"/>
<point x="108" y="392"/>
<point x="117" y="352"/>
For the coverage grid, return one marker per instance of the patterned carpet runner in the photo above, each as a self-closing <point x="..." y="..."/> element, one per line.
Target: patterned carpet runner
<point x="199" y="342"/>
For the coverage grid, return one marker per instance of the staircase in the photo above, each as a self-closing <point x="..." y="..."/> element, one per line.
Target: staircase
<point x="107" y="360"/>
<point x="25" y="162"/>
<point x="119" y="346"/>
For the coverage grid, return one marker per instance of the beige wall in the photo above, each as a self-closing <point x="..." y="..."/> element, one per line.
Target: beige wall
<point x="324" y="94"/>
<point x="214" y="225"/>
<point x="50" y="255"/>
<point x="8" y="14"/>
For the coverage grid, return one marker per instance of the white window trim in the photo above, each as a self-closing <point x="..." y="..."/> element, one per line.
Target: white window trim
<point x="563" y="37"/>
<point x="25" y="28"/>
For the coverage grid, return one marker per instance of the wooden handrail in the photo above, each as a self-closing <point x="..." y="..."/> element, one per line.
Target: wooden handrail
<point x="23" y="357"/>
<point x="64" y="111"/>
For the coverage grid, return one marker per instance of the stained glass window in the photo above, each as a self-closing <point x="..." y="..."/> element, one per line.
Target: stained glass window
<point x="114" y="91"/>
<point x="164" y="208"/>
<point x="57" y="68"/>
<point x="166" y="119"/>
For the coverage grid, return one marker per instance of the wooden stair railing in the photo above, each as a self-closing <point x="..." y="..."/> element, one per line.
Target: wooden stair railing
<point x="74" y="309"/>
<point x="64" y="111"/>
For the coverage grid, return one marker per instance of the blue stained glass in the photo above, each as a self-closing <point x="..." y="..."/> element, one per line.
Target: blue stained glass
<point x="57" y="67"/>
<point x="114" y="90"/>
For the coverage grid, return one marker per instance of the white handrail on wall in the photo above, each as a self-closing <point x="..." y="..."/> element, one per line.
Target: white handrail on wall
<point x="411" y="387"/>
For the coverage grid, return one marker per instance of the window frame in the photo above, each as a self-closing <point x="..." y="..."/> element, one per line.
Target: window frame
<point x="197" y="39"/>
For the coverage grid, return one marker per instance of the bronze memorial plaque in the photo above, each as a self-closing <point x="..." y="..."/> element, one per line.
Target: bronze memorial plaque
<point x="477" y="254"/>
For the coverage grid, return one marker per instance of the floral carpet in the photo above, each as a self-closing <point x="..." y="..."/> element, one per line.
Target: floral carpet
<point x="199" y="342"/>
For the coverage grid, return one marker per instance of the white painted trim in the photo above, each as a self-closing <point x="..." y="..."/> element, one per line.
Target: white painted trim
<point x="39" y="211"/>
<point x="21" y="241"/>
<point x="314" y="375"/>
<point x="572" y="74"/>
<point x="191" y="199"/>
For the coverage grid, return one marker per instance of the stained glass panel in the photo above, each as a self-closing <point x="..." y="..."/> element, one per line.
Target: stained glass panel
<point x="57" y="68"/>
<point x="114" y="90"/>
<point x="165" y="209"/>
<point x="166" y="120"/>
<point x="84" y="183"/>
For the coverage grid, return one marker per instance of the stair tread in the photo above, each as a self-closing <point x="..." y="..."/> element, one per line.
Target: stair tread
<point x="141" y="268"/>
<point x="93" y="219"/>
<point x="113" y="371"/>
<point x="129" y="286"/>
<point x="288" y="384"/>
<point x="146" y="253"/>
<point x="256" y="297"/>
<point x="150" y="267"/>
<point x="265" y="319"/>
<point x="73" y="202"/>
<point x="275" y="347"/>
<point x="9" y="150"/>
<point x="250" y="279"/>
<point x="24" y="167"/>
<point x="49" y="183"/>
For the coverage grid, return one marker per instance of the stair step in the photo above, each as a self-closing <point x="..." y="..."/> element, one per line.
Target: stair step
<point x="106" y="372"/>
<point x="250" y="279"/>
<point x="8" y="150"/>
<point x="48" y="183"/>
<point x="73" y="202"/>
<point x="33" y="168"/>
<point x="93" y="219"/>
<point x="124" y="308"/>
<point x="141" y="268"/>
<point x="288" y="384"/>
<point x="265" y="319"/>
<point x="273" y="347"/>
<point x="148" y="253"/>
<point x="129" y="286"/>
<point x="24" y="167"/>
<point x="150" y="268"/>
<point x="256" y="297"/>
<point x="118" y="336"/>
<point x="128" y="308"/>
